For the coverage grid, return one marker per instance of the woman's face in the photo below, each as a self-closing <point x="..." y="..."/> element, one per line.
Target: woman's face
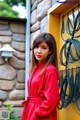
<point x="41" y="51"/>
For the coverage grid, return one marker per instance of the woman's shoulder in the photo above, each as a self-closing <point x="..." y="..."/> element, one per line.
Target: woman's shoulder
<point x="50" y="68"/>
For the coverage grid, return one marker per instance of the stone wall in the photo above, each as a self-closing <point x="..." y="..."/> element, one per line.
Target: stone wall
<point x="12" y="72"/>
<point x="39" y="18"/>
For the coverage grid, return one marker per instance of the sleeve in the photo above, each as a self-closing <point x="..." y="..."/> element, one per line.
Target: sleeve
<point x="51" y="93"/>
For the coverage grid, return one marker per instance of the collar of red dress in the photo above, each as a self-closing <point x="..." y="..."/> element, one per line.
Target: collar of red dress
<point x="41" y="64"/>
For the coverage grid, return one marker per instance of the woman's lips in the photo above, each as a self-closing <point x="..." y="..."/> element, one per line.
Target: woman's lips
<point x="38" y="56"/>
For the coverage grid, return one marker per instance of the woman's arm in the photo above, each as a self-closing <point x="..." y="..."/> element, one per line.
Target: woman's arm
<point x="51" y="93"/>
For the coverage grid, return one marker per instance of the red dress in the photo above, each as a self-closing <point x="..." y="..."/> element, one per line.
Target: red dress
<point x="43" y="95"/>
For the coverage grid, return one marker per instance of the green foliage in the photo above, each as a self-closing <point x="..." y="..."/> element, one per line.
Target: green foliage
<point x="7" y="11"/>
<point x="6" y="7"/>
<point x="12" y="112"/>
<point x="15" y="2"/>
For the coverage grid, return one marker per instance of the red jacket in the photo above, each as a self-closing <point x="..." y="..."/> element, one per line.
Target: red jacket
<point x="43" y="95"/>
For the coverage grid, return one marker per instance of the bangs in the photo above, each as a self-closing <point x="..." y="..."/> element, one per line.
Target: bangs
<point x="36" y="42"/>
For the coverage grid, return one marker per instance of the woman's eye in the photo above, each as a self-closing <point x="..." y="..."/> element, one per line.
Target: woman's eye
<point x="43" y="47"/>
<point x="36" y="46"/>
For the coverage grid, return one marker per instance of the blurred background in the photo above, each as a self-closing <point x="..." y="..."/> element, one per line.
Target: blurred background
<point x="13" y="8"/>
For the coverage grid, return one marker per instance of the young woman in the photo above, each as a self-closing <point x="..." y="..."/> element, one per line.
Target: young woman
<point x="43" y="92"/>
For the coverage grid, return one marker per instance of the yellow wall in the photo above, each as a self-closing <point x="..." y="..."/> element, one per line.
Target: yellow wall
<point x="54" y="27"/>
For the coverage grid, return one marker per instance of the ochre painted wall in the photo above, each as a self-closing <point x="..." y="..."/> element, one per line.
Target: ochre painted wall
<point x="54" y="27"/>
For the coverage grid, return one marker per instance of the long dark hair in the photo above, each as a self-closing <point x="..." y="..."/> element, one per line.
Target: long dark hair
<point x="50" y="41"/>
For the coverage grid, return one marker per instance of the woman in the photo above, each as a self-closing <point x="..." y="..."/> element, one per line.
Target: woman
<point x="43" y="92"/>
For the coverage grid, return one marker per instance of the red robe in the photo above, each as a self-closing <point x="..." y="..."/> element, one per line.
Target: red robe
<point x="43" y="95"/>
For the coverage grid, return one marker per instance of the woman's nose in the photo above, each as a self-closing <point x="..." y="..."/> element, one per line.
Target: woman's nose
<point x="39" y="49"/>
